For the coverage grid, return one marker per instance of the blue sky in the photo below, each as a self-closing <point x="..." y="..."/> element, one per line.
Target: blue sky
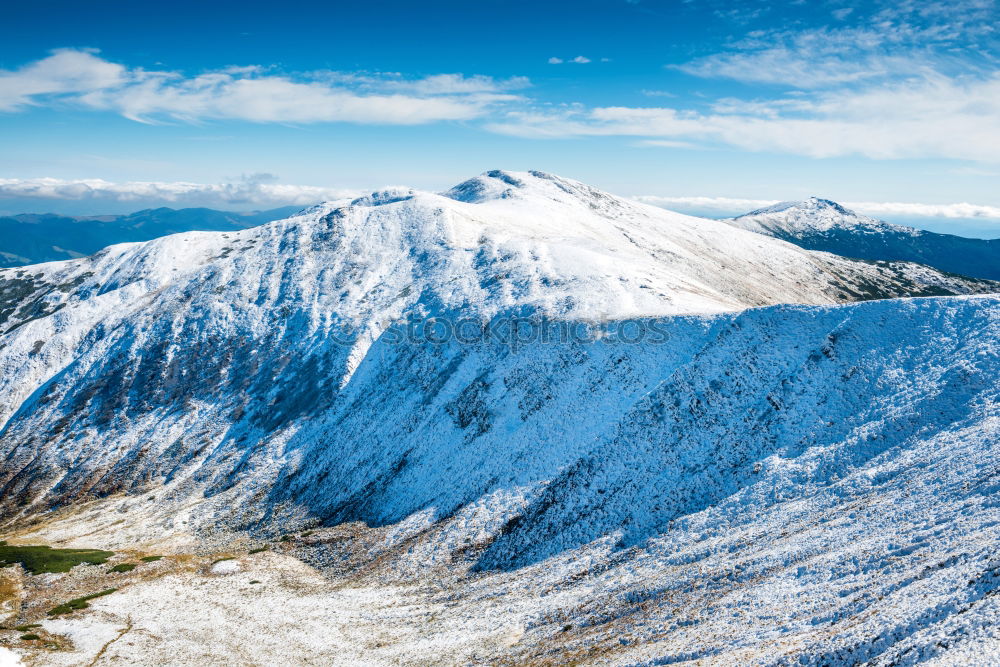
<point x="706" y="106"/>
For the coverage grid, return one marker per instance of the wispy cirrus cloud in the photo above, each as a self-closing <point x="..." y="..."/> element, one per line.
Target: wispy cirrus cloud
<point x="789" y="65"/>
<point x="84" y="79"/>
<point x="900" y="80"/>
<point x="823" y="57"/>
<point x="885" y="40"/>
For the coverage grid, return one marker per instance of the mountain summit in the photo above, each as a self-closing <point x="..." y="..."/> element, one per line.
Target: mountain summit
<point x="812" y="215"/>
<point x="810" y="204"/>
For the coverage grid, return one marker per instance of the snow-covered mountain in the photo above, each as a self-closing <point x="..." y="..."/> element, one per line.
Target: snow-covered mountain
<point x="524" y="374"/>
<point x="820" y="224"/>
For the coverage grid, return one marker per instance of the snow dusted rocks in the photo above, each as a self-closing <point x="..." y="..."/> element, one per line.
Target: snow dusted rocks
<point x="672" y="430"/>
<point x="224" y="567"/>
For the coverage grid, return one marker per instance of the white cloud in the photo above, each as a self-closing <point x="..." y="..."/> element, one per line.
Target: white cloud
<point x="248" y="93"/>
<point x="901" y="40"/>
<point x="580" y="60"/>
<point x="452" y="84"/>
<point x="961" y="210"/>
<point x="935" y="116"/>
<point x="788" y="66"/>
<point x="812" y="59"/>
<point x="271" y="99"/>
<point x="65" y="71"/>
<point x="905" y="80"/>
<point x="255" y="190"/>
<point x="667" y="143"/>
<point x="736" y="206"/>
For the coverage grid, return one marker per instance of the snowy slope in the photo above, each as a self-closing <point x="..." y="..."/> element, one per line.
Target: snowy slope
<point x="820" y="224"/>
<point x="498" y="243"/>
<point x="231" y="323"/>
<point x="637" y="444"/>
<point x="786" y="485"/>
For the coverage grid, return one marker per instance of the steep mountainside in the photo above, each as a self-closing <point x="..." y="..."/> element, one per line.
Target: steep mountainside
<point x="30" y="238"/>
<point x="592" y="412"/>
<point x="819" y="224"/>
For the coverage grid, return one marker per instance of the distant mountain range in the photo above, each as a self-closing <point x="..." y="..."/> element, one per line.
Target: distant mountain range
<point x="32" y="238"/>
<point x="820" y="224"/>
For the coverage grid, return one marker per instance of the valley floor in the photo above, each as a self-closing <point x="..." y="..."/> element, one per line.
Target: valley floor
<point x="219" y="604"/>
<point x="884" y="577"/>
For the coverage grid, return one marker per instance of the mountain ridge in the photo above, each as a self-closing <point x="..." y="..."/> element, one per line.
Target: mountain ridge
<point x="703" y="470"/>
<point x="824" y="225"/>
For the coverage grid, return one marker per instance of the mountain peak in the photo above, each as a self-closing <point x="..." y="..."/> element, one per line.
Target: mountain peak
<point x="815" y="215"/>
<point x="384" y="196"/>
<point x="809" y="204"/>
<point x="499" y="184"/>
<point x="537" y="195"/>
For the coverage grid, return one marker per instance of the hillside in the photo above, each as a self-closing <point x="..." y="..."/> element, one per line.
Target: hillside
<point x="549" y="423"/>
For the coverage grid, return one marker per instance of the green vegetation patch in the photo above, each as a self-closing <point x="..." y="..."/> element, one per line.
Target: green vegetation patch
<point x="257" y="551"/>
<point x="30" y="637"/>
<point x="78" y="603"/>
<point x="150" y="559"/>
<point x="27" y="626"/>
<point x="39" y="559"/>
<point x="122" y="567"/>
<point x="219" y="560"/>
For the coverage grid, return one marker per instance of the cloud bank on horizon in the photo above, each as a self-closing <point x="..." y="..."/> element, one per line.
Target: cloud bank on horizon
<point x="730" y="205"/>
<point x="251" y="191"/>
